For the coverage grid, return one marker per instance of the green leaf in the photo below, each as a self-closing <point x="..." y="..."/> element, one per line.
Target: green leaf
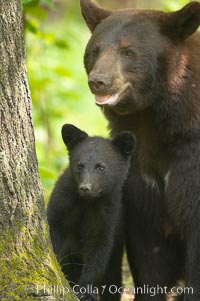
<point x="36" y="12"/>
<point x="46" y="173"/>
<point x="61" y="43"/>
<point x="31" y="26"/>
<point x="30" y="2"/>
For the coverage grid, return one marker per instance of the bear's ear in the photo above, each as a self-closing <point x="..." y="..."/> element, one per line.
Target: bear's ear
<point x="93" y="14"/>
<point x="184" y="22"/>
<point x="125" y="143"/>
<point x="72" y="136"/>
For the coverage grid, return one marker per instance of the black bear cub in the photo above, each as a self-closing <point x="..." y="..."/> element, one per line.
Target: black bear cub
<point x="85" y="212"/>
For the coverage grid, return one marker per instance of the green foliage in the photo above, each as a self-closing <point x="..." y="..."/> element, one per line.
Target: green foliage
<point x="172" y="5"/>
<point x="59" y="89"/>
<point x="31" y="3"/>
<point x="35" y="12"/>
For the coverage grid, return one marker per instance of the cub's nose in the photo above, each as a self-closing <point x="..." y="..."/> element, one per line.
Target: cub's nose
<point x="98" y="83"/>
<point x="85" y="189"/>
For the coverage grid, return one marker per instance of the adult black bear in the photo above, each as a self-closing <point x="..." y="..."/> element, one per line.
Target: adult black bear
<point x="144" y="68"/>
<point x="84" y="211"/>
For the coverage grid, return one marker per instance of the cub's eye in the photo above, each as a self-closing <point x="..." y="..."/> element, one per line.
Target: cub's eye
<point x="127" y="52"/>
<point x="80" y="166"/>
<point x="100" y="167"/>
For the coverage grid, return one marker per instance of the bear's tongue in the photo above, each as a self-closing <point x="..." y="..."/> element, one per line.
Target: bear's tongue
<point x="106" y="99"/>
<point x="100" y="99"/>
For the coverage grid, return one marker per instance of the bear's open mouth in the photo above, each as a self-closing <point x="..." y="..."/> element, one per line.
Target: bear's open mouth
<point x="111" y="99"/>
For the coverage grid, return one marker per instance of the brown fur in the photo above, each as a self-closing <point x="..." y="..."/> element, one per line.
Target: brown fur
<point x="152" y="59"/>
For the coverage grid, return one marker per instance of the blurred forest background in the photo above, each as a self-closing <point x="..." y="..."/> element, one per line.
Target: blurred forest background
<point x="56" y="36"/>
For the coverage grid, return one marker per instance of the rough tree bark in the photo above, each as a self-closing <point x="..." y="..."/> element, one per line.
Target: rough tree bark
<point x="28" y="268"/>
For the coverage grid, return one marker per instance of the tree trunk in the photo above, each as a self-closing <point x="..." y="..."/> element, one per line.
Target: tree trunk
<point x="28" y="267"/>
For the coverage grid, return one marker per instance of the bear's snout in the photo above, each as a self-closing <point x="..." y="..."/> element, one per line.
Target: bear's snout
<point x="85" y="189"/>
<point x="99" y="83"/>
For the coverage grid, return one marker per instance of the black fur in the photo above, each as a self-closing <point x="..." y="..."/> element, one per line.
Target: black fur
<point x="85" y="212"/>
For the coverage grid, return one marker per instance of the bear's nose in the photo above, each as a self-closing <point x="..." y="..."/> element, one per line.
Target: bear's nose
<point x="98" y="83"/>
<point x="85" y="188"/>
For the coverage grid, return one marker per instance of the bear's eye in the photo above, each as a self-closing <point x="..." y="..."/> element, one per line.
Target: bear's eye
<point x="100" y="167"/>
<point x="127" y="52"/>
<point x="80" y="166"/>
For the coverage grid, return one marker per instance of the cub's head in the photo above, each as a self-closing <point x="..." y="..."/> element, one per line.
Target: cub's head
<point x="131" y="52"/>
<point x="98" y="165"/>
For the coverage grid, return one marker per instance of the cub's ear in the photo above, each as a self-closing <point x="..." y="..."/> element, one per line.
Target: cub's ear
<point x="184" y="22"/>
<point x="93" y="14"/>
<point x="125" y="143"/>
<point x="72" y="136"/>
